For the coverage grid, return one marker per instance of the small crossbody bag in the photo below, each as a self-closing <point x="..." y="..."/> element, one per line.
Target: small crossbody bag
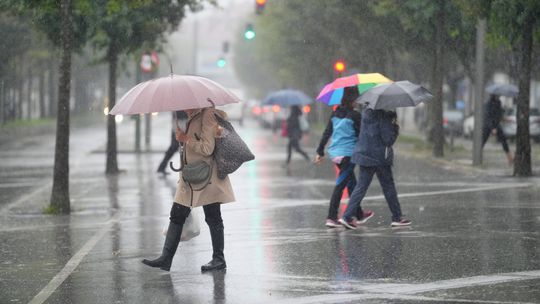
<point x="198" y="172"/>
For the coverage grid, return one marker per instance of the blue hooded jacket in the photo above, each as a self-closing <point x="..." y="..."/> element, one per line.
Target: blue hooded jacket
<point x="343" y="127"/>
<point x="378" y="134"/>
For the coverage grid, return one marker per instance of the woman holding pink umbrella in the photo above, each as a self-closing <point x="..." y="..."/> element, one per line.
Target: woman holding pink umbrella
<point x="198" y="142"/>
<point x="197" y="96"/>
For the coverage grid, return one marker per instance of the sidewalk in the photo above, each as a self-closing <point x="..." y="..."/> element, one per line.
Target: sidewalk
<point x="459" y="155"/>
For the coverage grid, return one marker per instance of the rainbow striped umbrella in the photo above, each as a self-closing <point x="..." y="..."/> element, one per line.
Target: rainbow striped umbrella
<point x="332" y="93"/>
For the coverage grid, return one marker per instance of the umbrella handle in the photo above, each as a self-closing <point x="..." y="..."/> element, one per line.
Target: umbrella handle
<point x="211" y="102"/>
<point x="173" y="168"/>
<point x="180" y="150"/>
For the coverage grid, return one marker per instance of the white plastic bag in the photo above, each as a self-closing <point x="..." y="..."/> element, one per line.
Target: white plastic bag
<point x="304" y="124"/>
<point x="192" y="227"/>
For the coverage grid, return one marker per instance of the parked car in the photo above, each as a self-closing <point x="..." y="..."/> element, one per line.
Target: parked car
<point x="270" y="116"/>
<point x="468" y="126"/>
<point x="453" y="122"/>
<point x="509" y="124"/>
<point x="235" y="111"/>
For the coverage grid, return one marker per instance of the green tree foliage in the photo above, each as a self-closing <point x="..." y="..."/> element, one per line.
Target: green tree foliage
<point x="61" y="21"/>
<point x="15" y="40"/>
<point x="298" y="42"/>
<point x="123" y="27"/>
<point x="517" y="23"/>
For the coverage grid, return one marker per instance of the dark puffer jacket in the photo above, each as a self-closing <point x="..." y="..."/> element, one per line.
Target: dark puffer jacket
<point x="377" y="135"/>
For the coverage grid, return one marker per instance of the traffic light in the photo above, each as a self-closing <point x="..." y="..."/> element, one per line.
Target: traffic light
<point x="225" y="47"/>
<point x="339" y="66"/>
<point x="249" y="33"/>
<point x="221" y="62"/>
<point x="259" y="6"/>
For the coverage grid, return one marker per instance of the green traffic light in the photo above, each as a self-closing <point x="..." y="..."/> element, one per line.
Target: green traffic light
<point x="221" y="63"/>
<point x="249" y="35"/>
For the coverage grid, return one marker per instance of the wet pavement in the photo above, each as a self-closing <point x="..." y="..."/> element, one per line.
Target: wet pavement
<point x="475" y="236"/>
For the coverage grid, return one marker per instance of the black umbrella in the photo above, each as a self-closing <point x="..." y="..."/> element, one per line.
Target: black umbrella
<point x="393" y="95"/>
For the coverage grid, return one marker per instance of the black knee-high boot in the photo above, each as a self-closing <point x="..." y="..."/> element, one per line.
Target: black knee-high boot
<point x="179" y="214"/>
<point x="218" y="242"/>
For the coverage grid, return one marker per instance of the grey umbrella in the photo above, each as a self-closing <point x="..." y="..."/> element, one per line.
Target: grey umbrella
<point x="508" y="90"/>
<point x="393" y="95"/>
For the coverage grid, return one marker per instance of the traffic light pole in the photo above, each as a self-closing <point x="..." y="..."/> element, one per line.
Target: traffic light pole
<point x="195" y="46"/>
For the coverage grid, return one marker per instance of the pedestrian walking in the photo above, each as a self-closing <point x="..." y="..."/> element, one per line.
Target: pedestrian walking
<point x="493" y="114"/>
<point x="374" y="154"/>
<point x="343" y="128"/>
<point x="198" y="145"/>
<point x="294" y="133"/>
<point x="180" y="117"/>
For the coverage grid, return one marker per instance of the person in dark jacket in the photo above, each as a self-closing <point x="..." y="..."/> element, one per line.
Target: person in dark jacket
<point x="343" y="128"/>
<point x="493" y="114"/>
<point x="181" y="117"/>
<point x="294" y="133"/>
<point x="374" y="154"/>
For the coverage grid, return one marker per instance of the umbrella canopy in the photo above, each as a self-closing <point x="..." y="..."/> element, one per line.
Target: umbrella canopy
<point x="389" y="96"/>
<point x="287" y="98"/>
<point x="508" y="90"/>
<point x="173" y="93"/>
<point x="332" y="93"/>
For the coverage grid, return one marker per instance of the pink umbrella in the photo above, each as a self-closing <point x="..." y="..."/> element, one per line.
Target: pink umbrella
<point x="173" y="93"/>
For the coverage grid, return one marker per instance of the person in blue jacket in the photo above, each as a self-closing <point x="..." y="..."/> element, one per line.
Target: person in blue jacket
<point x="343" y="128"/>
<point x="374" y="154"/>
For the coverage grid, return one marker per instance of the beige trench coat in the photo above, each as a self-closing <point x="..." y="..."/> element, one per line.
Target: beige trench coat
<point x="202" y="131"/>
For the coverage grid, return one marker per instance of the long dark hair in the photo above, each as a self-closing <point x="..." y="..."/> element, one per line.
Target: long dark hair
<point x="350" y="94"/>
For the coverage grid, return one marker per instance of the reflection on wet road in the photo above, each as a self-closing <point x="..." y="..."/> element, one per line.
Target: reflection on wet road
<point x="470" y="233"/>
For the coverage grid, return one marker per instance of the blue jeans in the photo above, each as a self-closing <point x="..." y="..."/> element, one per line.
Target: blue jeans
<point x="386" y="179"/>
<point x="346" y="179"/>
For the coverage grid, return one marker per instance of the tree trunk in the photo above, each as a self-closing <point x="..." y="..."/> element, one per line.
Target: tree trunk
<point x="41" y="94"/>
<point x="29" y="93"/>
<point x="52" y="85"/>
<point x="436" y="107"/>
<point x="20" y="88"/>
<point x="2" y="101"/>
<point x="60" y="190"/>
<point x="112" y="163"/>
<point x="522" y="162"/>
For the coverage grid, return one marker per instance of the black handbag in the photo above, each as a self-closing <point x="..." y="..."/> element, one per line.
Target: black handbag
<point x="230" y="150"/>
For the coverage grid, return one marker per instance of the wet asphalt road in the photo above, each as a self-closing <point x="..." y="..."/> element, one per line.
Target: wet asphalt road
<point x="475" y="237"/>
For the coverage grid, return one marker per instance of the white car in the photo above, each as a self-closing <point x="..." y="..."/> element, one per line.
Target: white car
<point x="235" y="111"/>
<point x="468" y="126"/>
<point x="508" y="124"/>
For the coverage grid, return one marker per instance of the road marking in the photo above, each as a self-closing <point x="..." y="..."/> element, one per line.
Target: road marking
<point x="327" y="299"/>
<point x="18" y="185"/>
<point x="26" y="197"/>
<point x="279" y="203"/>
<point x="408" y="291"/>
<point x="72" y="264"/>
